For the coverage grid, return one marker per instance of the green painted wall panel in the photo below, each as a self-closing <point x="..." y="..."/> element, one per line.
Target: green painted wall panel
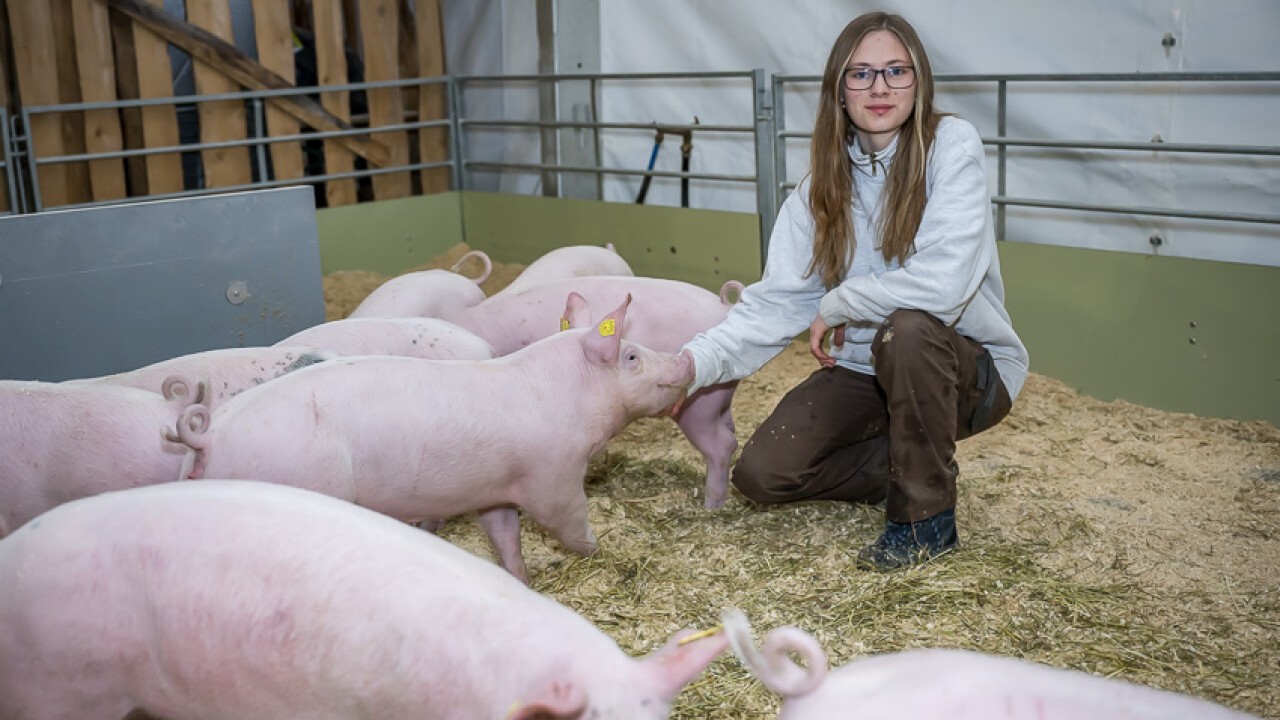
<point x="1171" y="333"/>
<point x="389" y="236"/>
<point x="703" y="247"/>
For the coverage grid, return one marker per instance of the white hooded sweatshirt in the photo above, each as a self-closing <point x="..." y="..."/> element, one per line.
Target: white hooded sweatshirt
<point x="953" y="273"/>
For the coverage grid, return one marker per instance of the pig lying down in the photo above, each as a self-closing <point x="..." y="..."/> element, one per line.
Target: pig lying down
<point x="569" y="262"/>
<point x="63" y="441"/>
<point x="428" y="338"/>
<point x="303" y="607"/>
<point x="426" y="293"/>
<point x="425" y="440"/>
<point x="954" y="684"/>
<point x="227" y="372"/>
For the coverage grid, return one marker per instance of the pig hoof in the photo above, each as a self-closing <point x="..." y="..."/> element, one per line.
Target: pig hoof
<point x="714" y="502"/>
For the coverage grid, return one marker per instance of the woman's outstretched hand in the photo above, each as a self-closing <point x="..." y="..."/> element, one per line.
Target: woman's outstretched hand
<point x="818" y="330"/>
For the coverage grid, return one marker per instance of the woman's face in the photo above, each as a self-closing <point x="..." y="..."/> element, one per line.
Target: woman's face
<point x="879" y="111"/>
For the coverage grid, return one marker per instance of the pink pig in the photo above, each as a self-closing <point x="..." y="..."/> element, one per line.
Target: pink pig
<point x="569" y="262"/>
<point x="428" y="338"/>
<point x="666" y="314"/>
<point x="425" y="440"/>
<point x="63" y="441"/>
<point x="227" y="600"/>
<point x="426" y="293"/>
<point x="227" y="372"/>
<point x="955" y="684"/>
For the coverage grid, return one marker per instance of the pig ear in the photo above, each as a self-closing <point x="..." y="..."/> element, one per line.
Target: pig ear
<point x="577" y="314"/>
<point x="554" y="701"/>
<point x="682" y="659"/>
<point x="602" y="342"/>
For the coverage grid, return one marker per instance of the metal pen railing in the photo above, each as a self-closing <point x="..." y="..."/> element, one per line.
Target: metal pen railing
<point x="1002" y="200"/>
<point x="760" y="127"/>
<point x="258" y="141"/>
<point x="767" y="127"/>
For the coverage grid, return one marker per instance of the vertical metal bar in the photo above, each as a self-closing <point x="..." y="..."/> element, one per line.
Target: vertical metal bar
<point x="32" y="170"/>
<point x="260" y="132"/>
<point x="766" y="185"/>
<point x="547" y="91"/>
<point x="595" y="134"/>
<point x="454" y="95"/>
<point x="16" y="169"/>
<point x="1001" y="115"/>
<point x="779" y="143"/>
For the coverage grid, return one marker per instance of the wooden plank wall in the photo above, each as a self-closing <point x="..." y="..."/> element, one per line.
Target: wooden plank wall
<point x="68" y="51"/>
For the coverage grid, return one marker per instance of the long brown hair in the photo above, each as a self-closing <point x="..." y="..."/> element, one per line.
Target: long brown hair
<point x="831" y="184"/>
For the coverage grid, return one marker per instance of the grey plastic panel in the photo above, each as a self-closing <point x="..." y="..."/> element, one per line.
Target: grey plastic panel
<point x="95" y="291"/>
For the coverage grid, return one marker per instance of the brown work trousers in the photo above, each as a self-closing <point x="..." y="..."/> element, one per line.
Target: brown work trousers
<point x="845" y="435"/>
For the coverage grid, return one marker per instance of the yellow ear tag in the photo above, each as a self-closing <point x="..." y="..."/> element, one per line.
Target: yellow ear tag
<point x="606" y="328"/>
<point x="564" y="324"/>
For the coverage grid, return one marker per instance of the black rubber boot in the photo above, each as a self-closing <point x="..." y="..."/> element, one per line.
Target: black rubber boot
<point x="905" y="544"/>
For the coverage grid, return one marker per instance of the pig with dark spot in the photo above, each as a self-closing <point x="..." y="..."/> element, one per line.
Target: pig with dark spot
<point x="226" y="372"/>
<point x="425" y="440"/>
<point x="428" y="338"/>
<point x="228" y="600"/>
<point x="64" y="441"/>
<point x="936" y="683"/>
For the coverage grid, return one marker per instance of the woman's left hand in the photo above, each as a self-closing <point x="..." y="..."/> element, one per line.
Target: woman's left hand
<point x="818" y="330"/>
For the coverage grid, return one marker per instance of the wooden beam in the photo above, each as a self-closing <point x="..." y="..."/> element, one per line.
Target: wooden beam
<point x="433" y="103"/>
<point x="159" y="122"/>
<point x="64" y="42"/>
<point x="224" y="56"/>
<point x="220" y="120"/>
<point x="36" y="65"/>
<point x="97" y="68"/>
<point x="331" y="69"/>
<point x="274" y="36"/>
<point x="378" y="23"/>
<point x="126" y="57"/>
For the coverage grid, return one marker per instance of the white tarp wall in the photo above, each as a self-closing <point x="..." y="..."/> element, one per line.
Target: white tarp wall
<point x="962" y="36"/>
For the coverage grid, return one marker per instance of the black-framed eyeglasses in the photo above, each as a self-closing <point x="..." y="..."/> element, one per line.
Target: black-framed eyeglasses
<point x="898" y="77"/>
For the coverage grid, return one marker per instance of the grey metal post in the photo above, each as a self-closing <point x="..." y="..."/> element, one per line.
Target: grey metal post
<point x="260" y="130"/>
<point x="547" y="95"/>
<point x="31" y="162"/>
<point x="766" y="184"/>
<point x="779" y="145"/>
<point x="1001" y="112"/>
<point x="454" y="95"/>
<point x="595" y="134"/>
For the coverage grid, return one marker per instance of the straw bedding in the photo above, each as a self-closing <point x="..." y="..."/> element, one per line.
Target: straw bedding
<point x="1099" y="536"/>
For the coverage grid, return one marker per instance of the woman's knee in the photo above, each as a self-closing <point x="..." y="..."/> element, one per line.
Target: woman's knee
<point x="907" y="330"/>
<point x="760" y="480"/>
